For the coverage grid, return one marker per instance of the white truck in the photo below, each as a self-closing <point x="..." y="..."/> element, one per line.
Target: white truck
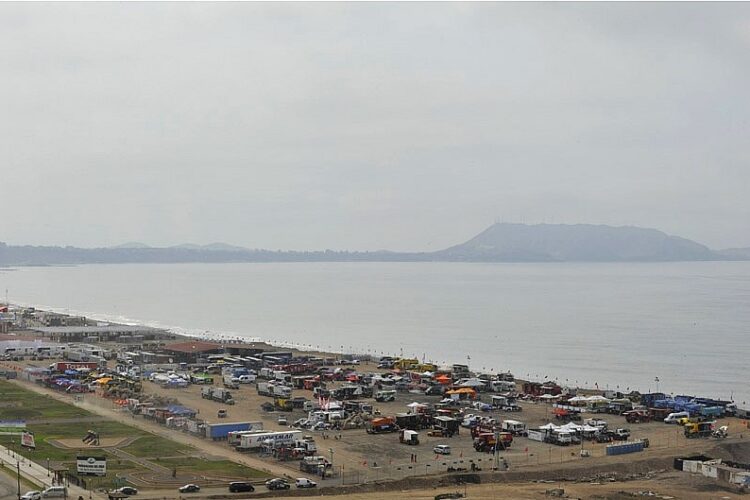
<point x="260" y="439"/>
<point x="247" y="379"/>
<point x="234" y="438"/>
<point x="231" y="382"/>
<point x="502" y="386"/>
<point x="515" y="427"/>
<point x="274" y="389"/>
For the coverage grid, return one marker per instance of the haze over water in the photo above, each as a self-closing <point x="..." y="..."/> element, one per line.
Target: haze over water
<point x="606" y="324"/>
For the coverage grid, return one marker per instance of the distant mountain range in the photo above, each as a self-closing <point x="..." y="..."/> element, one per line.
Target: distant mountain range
<point x="498" y="243"/>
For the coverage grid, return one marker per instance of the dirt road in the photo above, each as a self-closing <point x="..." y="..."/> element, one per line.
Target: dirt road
<point x="210" y="448"/>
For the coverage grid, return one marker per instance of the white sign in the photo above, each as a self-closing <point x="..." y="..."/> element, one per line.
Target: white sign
<point x="91" y="465"/>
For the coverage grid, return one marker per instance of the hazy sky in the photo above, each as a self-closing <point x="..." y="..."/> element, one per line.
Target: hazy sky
<point x="367" y="126"/>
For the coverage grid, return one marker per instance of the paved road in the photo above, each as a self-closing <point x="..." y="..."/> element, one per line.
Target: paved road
<point x="217" y="449"/>
<point x="7" y="486"/>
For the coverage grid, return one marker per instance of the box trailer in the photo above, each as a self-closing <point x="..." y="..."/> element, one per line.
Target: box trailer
<point x="222" y="430"/>
<point x="255" y="441"/>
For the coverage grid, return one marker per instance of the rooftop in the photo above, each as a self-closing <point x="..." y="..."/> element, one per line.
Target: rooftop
<point x="93" y="329"/>
<point x="193" y="346"/>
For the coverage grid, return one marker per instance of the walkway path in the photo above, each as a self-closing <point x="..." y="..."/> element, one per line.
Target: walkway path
<point x="39" y="475"/>
<point x="218" y="449"/>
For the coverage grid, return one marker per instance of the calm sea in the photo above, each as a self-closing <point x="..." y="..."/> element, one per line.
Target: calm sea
<point x="613" y="325"/>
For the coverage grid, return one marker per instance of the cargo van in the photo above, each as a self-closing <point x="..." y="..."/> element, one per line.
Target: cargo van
<point x="673" y="418"/>
<point x="55" y="492"/>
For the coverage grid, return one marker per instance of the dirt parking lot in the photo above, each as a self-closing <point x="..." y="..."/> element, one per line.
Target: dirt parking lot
<point x="361" y="456"/>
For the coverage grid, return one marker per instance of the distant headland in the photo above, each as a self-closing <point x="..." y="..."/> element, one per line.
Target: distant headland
<point x="502" y="242"/>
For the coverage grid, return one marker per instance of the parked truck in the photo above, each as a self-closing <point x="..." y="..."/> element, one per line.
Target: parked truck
<point x="385" y="396"/>
<point x="637" y="416"/>
<point x="698" y="429"/>
<point x="488" y="441"/>
<point x="273" y="389"/>
<point x="381" y="425"/>
<point x="409" y="437"/>
<point x="254" y="441"/>
<point x="62" y="366"/>
<point x="222" y="430"/>
<point x="515" y="427"/>
<point x="217" y="394"/>
<point x="231" y="382"/>
<point x="313" y="465"/>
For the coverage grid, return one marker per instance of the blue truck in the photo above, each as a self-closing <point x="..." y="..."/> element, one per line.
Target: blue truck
<point x="220" y="431"/>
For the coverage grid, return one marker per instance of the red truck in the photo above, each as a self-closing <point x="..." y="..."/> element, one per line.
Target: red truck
<point x="637" y="416"/>
<point x="485" y="441"/>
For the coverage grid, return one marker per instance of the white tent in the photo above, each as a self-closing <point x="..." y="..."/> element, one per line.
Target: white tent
<point x="597" y="398"/>
<point x="473" y="382"/>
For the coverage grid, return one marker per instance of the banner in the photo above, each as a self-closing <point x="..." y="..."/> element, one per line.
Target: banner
<point x="12" y="427"/>
<point x="91" y="465"/>
<point x="27" y="440"/>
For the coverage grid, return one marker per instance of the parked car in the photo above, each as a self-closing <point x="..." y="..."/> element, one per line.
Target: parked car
<point x="277" y="483"/>
<point x="222" y="413"/>
<point x="621" y="434"/>
<point x="442" y="449"/>
<point x="32" y="495"/>
<point x="190" y="488"/>
<point x="282" y="420"/>
<point x="55" y="492"/>
<point x="675" y="417"/>
<point x="303" y="482"/>
<point x="127" y="490"/>
<point x="604" y="437"/>
<point x="240" y="486"/>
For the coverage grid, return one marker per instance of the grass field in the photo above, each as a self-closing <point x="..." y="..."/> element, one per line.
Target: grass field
<point x="50" y="419"/>
<point x="19" y="404"/>
<point x="224" y="468"/>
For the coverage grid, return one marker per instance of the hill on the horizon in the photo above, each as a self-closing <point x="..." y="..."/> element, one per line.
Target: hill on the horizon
<point x="498" y="243"/>
<point x="579" y="242"/>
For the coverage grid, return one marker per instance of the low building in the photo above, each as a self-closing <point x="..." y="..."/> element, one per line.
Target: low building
<point x="191" y="351"/>
<point x="99" y="333"/>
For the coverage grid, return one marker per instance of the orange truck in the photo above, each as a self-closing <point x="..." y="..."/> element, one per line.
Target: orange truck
<point x="485" y="441"/>
<point x="382" y="424"/>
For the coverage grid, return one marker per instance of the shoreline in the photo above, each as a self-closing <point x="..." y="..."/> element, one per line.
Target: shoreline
<point x="222" y="338"/>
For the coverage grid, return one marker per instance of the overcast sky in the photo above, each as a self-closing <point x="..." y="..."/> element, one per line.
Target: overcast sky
<point x="368" y="126"/>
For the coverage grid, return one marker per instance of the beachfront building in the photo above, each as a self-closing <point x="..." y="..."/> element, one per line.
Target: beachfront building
<point x="190" y="351"/>
<point x="104" y="333"/>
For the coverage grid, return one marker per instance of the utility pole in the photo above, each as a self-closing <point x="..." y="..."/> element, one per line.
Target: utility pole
<point x="497" y="454"/>
<point x="18" y="478"/>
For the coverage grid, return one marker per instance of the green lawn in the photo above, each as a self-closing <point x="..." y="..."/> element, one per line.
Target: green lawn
<point x="225" y="468"/>
<point x="20" y="404"/>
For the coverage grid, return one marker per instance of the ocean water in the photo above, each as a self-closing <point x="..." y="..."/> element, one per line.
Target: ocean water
<point x="609" y="325"/>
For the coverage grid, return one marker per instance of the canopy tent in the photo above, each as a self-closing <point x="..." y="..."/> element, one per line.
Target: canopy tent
<point x="472" y="383"/>
<point x="578" y="399"/>
<point x="597" y="398"/>
<point x="462" y="390"/>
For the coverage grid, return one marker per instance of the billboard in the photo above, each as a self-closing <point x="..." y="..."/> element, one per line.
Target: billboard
<point x="27" y="440"/>
<point x="12" y="427"/>
<point x="96" y="466"/>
